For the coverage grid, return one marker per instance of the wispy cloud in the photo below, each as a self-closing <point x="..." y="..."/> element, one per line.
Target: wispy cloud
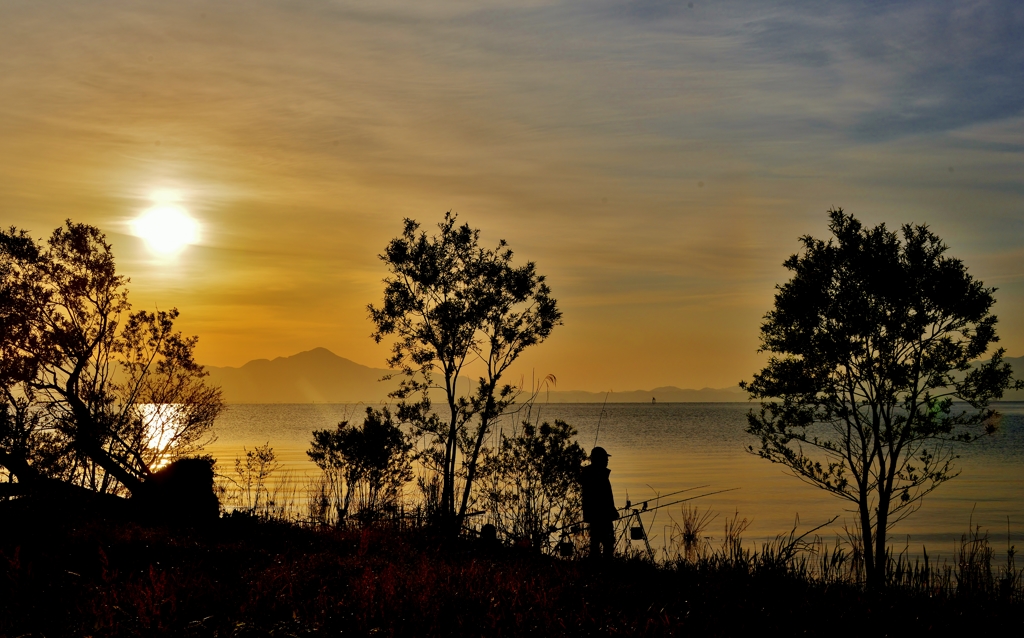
<point x="642" y="152"/>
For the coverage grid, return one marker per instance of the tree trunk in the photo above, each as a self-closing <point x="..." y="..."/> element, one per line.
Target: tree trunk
<point x="19" y="467"/>
<point x="471" y="471"/>
<point x="451" y="444"/>
<point x="85" y="442"/>
<point x="485" y="422"/>
<point x="882" y="521"/>
<point x="868" y="543"/>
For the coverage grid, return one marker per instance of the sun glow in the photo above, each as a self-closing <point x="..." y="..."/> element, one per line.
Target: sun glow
<point x="166" y="227"/>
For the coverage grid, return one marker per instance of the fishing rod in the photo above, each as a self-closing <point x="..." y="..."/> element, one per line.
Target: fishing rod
<point x="634" y="523"/>
<point x="683" y="500"/>
<point x="601" y="416"/>
<point x="661" y="496"/>
<point x="651" y="509"/>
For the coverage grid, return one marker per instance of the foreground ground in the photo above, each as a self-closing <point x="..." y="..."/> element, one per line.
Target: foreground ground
<point x="71" y="570"/>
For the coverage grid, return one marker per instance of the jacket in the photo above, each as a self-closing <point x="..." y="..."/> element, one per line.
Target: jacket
<point x="598" y="501"/>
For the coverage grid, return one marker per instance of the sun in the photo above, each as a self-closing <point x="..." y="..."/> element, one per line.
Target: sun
<point x="166" y="228"/>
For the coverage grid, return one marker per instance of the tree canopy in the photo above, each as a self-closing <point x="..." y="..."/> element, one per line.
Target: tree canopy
<point x="94" y="393"/>
<point x="872" y="377"/>
<point x="365" y="466"/>
<point x="446" y="300"/>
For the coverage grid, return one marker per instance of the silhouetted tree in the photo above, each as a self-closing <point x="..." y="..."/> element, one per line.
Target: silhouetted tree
<point x="369" y="464"/>
<point x="109" y="393"/>
<point x="531" y="484"/>
<point x="254" y="469"/>
<point x="447" y="299"/>
<point x="870" y="381"/>
<point x="25" y="446"/>
<point x="518" y="312"/>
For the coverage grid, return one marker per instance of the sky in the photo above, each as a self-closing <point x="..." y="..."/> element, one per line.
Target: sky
<point x="658" y="160"/>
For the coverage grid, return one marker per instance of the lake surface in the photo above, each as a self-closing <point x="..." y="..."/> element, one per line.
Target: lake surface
<point x="668" y="447"/>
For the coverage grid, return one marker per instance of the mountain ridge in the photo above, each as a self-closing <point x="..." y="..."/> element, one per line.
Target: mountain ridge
<point x="321" y="376"/>
<point x="311" y="376"/>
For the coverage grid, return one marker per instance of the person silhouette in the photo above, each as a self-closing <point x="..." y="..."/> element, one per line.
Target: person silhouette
<point x="599" y="510"/>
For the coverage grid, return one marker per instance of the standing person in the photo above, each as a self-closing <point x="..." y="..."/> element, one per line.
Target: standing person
<point x="599" y="510"/>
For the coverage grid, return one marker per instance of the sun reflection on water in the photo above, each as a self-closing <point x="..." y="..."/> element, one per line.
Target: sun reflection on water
<point x="162" y="425"/>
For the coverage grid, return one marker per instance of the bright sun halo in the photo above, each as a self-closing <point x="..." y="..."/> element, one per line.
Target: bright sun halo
<point x="166" y="228"/>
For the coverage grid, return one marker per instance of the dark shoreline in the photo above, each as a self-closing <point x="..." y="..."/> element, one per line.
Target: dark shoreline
<point x="89" y="569"/>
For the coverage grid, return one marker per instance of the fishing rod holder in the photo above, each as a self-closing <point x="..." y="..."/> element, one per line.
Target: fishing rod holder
<point x="635" y="524"/>
<point x="636" y="530"/>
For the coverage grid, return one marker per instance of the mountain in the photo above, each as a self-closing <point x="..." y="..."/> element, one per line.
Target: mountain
<point x="320" y="376"/>
<point x="314" y="376"/>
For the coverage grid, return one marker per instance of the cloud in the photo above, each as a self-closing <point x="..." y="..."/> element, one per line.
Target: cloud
<point x="640" y="151"/>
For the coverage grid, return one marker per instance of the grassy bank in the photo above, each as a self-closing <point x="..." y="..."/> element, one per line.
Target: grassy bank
<point x="89" y="571"/>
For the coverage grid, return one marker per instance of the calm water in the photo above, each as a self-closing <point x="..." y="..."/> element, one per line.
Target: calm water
<point x="668" y="447"/>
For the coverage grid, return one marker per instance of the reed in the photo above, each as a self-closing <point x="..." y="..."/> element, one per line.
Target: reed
<point x="971" y="574"/>
<point x="687" y="539"/>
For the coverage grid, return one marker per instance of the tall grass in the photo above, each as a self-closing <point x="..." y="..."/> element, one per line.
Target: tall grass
<point x="972" y="571"/>
<point x="259" y="490"/>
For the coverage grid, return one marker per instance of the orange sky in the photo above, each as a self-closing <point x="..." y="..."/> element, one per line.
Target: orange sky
<point x="656" y="161"/>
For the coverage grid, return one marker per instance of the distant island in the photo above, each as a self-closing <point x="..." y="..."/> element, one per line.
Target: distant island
<point x="320" y="376"/>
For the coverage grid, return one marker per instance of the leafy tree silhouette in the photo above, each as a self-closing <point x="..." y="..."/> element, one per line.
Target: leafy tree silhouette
<point x="532" y="482"/>
<point x="94" y="393"/>
<point x="870" y="382"/>
<point x="447" y="300"/>
<point x="369" y="464"/>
